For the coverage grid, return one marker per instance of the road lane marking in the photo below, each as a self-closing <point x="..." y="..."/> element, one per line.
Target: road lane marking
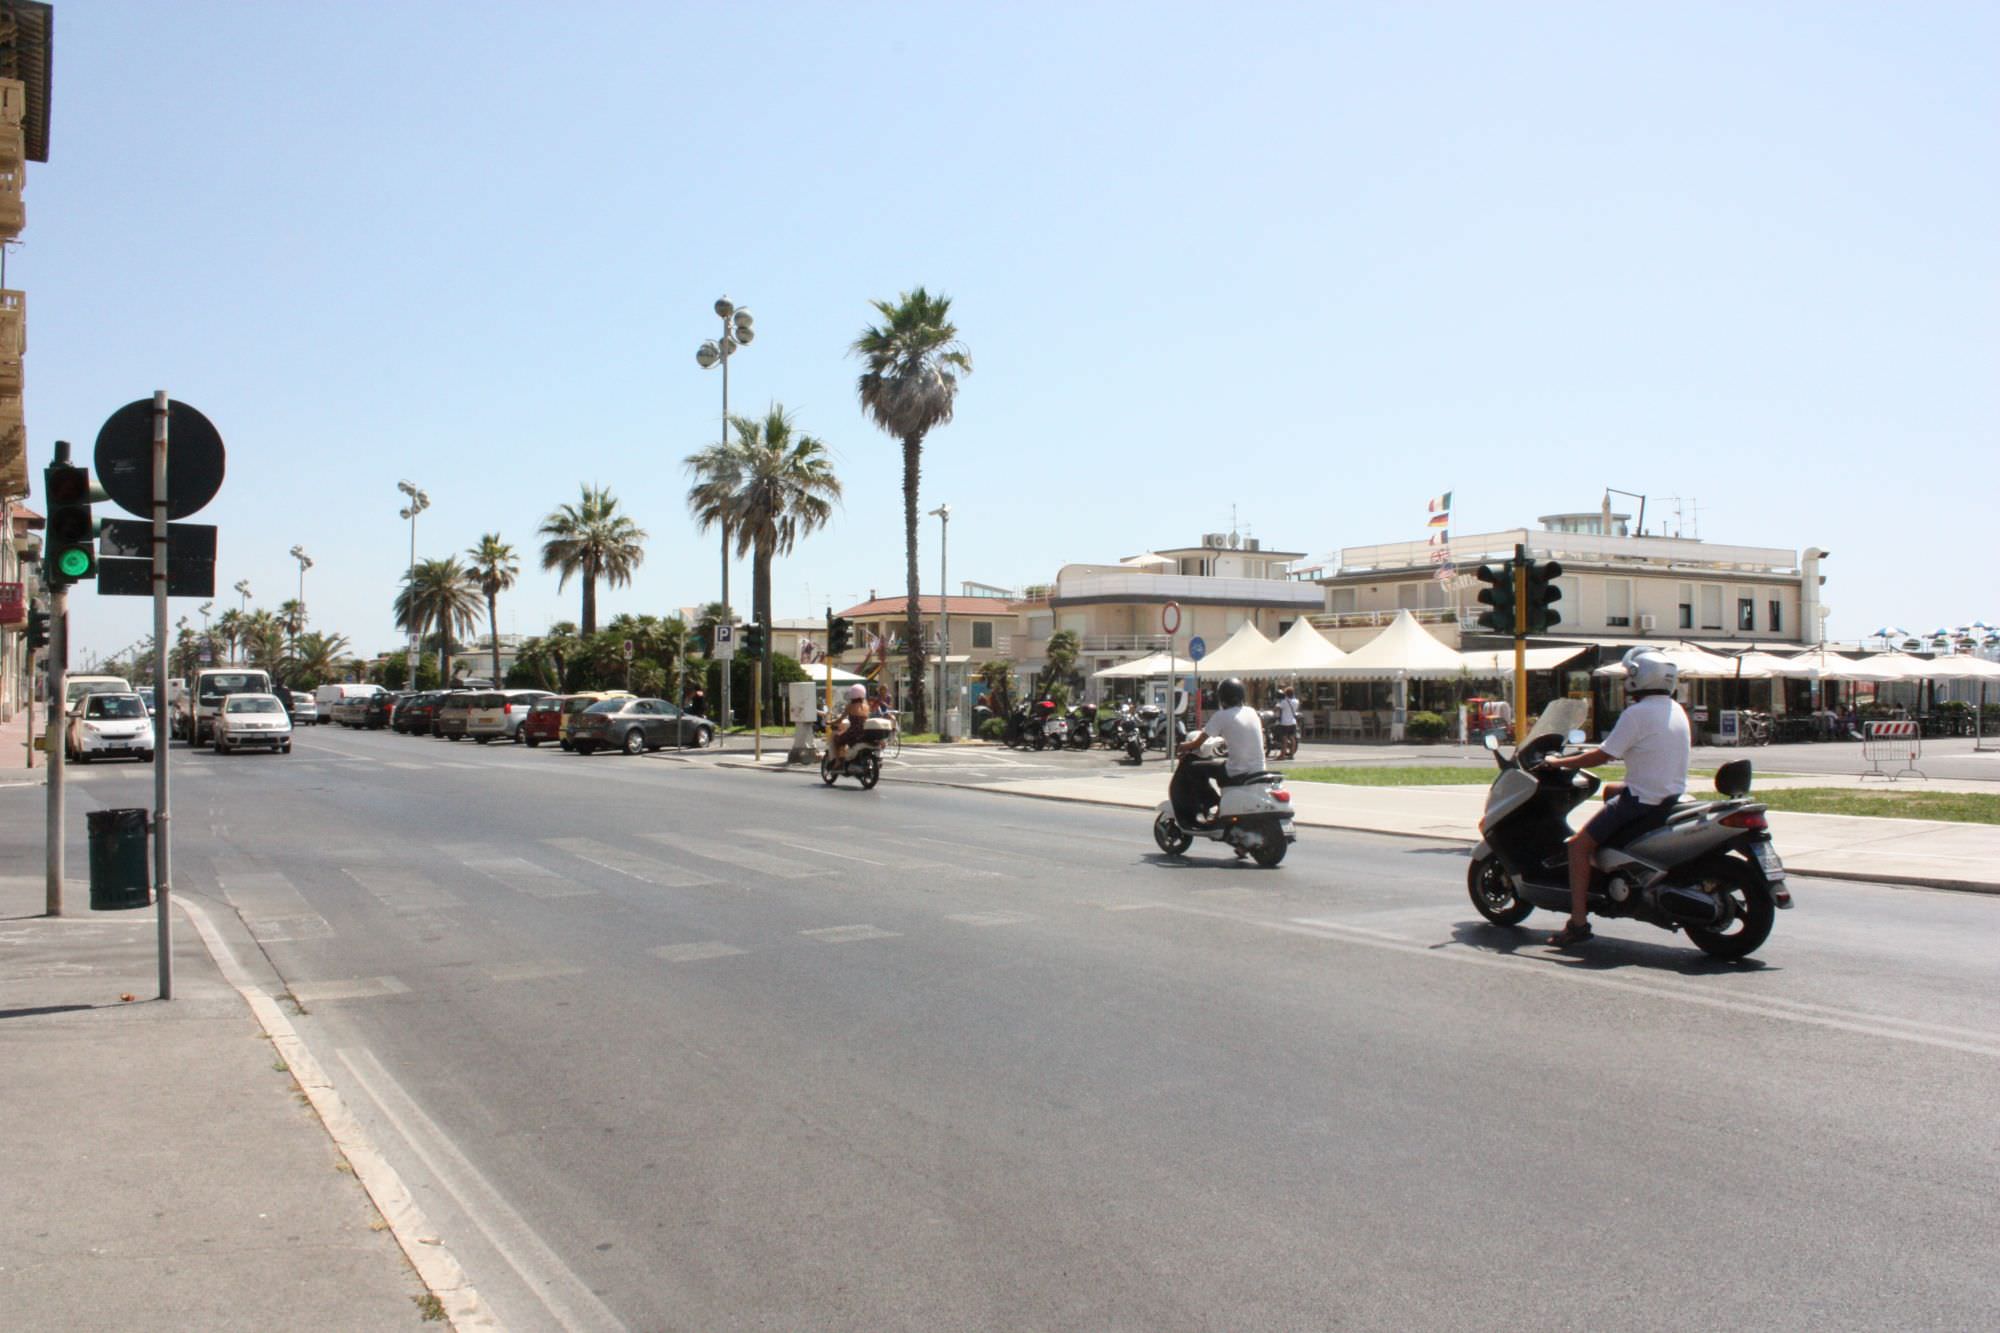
<point x="631" y="864"/>
<point x="574" y="1305"/>
<point x="695" y="953"/>
<point x="435" y="1265"/>
<point x="356" y="988"/>
<point x="547" y="971"/>
<point x="271" y="906"/>
<point x="991" y="918"/>
<point x="719" y="848"/>
<point x="849" y="934"/>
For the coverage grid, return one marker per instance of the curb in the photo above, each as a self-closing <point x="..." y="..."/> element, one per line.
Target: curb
<point x="435" y="1266"/>
<point x="1890" y="880"/>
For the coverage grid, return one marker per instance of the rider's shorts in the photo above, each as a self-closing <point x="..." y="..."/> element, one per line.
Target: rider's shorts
<point x="1624" y="818"/>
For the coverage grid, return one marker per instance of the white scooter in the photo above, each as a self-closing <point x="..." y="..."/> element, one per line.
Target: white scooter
<point x="1255" y="817"/>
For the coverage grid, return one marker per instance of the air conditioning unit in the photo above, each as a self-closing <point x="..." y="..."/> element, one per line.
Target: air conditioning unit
<point x="1252" y="544"/>
<point x="1215" y="541"/>
<point x="1646" y="624"/>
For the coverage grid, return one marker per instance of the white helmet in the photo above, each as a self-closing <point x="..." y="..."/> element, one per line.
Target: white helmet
<point x="1648" y="670"/>
<point x="855" y="692"/>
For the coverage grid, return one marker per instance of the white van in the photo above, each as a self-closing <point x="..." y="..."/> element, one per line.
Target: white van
<point x="193" y="717"/>
<point x="80" y="687"/>
<point x="326" y="696"/>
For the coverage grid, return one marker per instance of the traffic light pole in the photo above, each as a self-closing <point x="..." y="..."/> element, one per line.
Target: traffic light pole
<point x="1520" y="645"/>
<point x="58" y="663"/>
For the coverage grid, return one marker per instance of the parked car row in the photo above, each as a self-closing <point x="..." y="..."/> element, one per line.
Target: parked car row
<point x="584" y="722"/>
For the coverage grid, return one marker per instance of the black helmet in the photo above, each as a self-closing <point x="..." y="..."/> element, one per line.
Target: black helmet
<point x="1230" y="693"/>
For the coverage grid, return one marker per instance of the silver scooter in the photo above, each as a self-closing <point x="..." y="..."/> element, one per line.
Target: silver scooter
<point x="1709" y="869"/>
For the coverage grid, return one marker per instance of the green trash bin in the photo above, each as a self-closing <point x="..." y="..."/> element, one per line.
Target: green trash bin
<point x="119" y="874"/>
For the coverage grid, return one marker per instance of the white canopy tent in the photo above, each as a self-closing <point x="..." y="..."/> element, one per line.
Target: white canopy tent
<point x="1404" y="651"/>
<point x="1299" y="651"/>
<point x="1239" y="655"/>
<point x="1819" y="664"/>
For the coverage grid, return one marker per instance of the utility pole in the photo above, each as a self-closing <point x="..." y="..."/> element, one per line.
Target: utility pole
<point x="58" y="662"/>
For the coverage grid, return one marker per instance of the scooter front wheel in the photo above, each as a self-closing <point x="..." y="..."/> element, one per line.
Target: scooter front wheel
<point x="1493" y="895"/>
<point x="827" y="773"/>
<point x="1172" y="838"/>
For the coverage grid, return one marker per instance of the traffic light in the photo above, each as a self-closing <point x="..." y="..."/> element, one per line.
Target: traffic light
<point x="752" y="640"/>
<point x="38" y="629"/>
<point x="839" y="635"/>
<point x="1498" y="594"/>
<point x="1543" y="594"/>
<point x="72" y="528"/>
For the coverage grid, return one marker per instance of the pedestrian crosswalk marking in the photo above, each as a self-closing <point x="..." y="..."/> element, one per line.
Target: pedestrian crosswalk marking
<point x="720" y="847"/>
<point x="873" y="857"/>
<point x="402" y="891"/>
<point x="628" y="863"/>
<point x="849" y="934"/>
<point x="695" y="953"/>
<point x="518" y="874"/>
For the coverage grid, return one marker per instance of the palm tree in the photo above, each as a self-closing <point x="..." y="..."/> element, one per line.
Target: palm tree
<point x="593" y="540"/>
<point x="494" y="566"/>
<point x="914" y="360"/>
<point x="229" y="628"/>
<point x="441" y="593"/>
<point x="784" y="488"/>
<point x="718" y="478"/>
<point x="316" y="657"/>
<point x="263" y="640"/>
<point x="293" y="612"/>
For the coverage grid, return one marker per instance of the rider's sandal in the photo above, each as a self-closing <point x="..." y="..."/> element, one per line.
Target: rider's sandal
<point x="1573" y="933"/>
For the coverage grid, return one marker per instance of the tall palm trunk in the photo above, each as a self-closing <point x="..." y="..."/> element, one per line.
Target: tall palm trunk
<point x="493" y="632"/>
<point x="760" y="613"/>
<point x="913" y="641"/>
<point x="589" y="599"/>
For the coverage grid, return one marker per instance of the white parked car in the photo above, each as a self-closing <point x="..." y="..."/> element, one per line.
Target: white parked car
<point x="104" y="725"/>
<point x="305" y="709"/>
<point x="248" y="721"/>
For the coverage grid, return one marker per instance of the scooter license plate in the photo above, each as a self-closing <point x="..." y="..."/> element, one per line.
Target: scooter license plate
<point x="1767" y="857"/>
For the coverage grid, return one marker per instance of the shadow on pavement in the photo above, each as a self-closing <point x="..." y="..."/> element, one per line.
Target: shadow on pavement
<point x="1602" y="953"/>
<point x="38" y="1010"/>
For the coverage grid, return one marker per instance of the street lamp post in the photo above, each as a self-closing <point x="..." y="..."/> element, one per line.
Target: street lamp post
<point x="943" y="516"/>
<point x="243" y="588"/>
<point x="299" y="616"/>
<point x="419" y="502"/>
<point x="738" y="330"/>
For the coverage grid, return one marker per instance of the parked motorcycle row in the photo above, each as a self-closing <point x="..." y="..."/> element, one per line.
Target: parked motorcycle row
<point x="1043" y="725"/>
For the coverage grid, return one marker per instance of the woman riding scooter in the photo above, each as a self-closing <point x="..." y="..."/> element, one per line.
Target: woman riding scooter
<point x="852" y="723"/>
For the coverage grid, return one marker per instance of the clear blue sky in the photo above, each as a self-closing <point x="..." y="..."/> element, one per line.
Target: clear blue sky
<point x="1320" y="262"/>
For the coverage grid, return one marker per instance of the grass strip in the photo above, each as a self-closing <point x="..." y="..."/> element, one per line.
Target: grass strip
<point x="1954" y="807"/>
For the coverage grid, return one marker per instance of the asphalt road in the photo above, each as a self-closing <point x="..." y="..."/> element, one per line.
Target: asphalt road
<point x="666" y="1046"/>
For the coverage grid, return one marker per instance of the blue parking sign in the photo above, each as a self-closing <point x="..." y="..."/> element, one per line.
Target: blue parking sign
<point x="1197" y="648"/>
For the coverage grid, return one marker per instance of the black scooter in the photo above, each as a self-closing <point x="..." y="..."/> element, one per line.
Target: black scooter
<point x="1709" y="869"/>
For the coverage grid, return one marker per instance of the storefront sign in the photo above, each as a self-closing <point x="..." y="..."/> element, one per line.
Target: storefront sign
<point x="13" y="604"/>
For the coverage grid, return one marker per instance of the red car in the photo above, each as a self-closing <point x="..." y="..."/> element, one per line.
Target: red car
<point x="544" y="721"/>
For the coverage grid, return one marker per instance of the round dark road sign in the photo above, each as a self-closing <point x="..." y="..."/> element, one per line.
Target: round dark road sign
<point x="124" y="459"/>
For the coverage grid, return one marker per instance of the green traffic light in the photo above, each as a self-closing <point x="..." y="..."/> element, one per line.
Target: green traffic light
<point x="73" y="564"/>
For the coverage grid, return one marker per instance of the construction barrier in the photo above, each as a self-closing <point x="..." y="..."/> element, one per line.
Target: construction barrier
<point x="1899" y="741"/>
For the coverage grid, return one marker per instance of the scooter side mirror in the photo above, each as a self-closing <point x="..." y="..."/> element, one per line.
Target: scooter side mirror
<point x="1492" y="742"/>
<point x="1576" y="737"/>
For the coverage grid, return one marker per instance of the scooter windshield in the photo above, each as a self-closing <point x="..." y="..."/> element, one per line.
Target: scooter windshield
<point x="1561" y="717"/>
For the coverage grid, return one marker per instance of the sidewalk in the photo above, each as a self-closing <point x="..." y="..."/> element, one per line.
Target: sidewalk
<point x="14" y="770"/>
<point x="1922" y="852"/>
<point x="158" y="1166"/>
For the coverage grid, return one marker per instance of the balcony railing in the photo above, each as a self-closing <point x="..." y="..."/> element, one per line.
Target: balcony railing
<point x="1586" y="547"/>
<point x="1425" y="615"/>
<point x="1156" y="588"/>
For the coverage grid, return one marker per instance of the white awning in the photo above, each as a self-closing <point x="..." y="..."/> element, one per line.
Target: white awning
<point x="822" y="671"/>
<point x="1142" y="668"/>
<point x="1482" y="664"/>
<point x="1300" y="651"/>
<point x="1693" y="663"/>
<point x="1239" y="655"/>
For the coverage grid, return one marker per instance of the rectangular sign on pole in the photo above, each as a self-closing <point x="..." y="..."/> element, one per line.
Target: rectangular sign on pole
<point x="725" y="643"/>
<point x="13" y="603"/>
<point x="134" y="578"/>
<point x="128" y="539"/>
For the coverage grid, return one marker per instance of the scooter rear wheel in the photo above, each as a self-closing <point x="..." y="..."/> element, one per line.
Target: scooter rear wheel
<point x="871" y="772"/>
<point x="1172" y="838"/>
<point x="1492" y="890"/>
<point x="1754" y="913"/>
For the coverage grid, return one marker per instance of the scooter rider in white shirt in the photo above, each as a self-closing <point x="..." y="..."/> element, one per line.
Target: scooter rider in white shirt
<point x="1653" y="739"/>
<point x="1236" y="725"/>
